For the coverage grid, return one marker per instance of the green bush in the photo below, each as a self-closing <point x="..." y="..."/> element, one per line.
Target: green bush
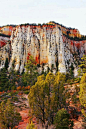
<point x="62" y="120"/>
<point x="26" y="92"/>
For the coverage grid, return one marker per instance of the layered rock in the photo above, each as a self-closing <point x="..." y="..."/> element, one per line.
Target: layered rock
<point x="6" y="30"/>
<point x="48" y="44"/>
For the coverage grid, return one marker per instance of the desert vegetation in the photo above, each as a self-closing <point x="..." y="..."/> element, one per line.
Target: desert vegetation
<point x="55" y="100"/>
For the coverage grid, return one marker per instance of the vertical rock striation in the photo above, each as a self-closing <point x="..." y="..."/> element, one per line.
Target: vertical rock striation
<point x="49" y="44"/>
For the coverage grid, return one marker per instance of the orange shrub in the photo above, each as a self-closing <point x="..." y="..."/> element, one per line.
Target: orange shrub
<point x="20" y="93"/>
<point x="28" y="87"/>
<point x="3" y="92"/>
<point x="19" y="88"/>
<point x="14" y="91"/>
<point x="0" y="93"/>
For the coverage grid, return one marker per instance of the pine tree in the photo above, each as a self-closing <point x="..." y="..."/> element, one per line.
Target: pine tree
<point x="82" y="93"/>
<point x="82" y="66"/>
<point x="6" y="63"/>
<point x="9" y="117"/>
<point x="31" y="126"/>
<point x="84" y="122"/>
<point x="62" y="121"/>
<point x="46" y="97"/>
<point x="4" y="82"/>
<point x="30" y="76"/>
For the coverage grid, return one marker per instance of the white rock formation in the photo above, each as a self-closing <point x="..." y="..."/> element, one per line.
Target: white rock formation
<point x="46" y="44"/>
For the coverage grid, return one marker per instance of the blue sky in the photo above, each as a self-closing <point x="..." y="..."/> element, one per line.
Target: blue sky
<point x="70" y="13"/>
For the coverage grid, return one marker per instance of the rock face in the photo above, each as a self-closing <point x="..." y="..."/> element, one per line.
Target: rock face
<point x="50" y="44"/>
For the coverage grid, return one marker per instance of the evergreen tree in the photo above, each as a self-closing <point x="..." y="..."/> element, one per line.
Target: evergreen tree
<point x="62" y="120"/>
<point x="31" y="126"/>
<point x="30" y="75"/>
<point x="37" y="98"/>
<point x="72" y="71"/>
<point x="82" y="93"/>
<point x="4" y="81"/>
<point x="82" y="66"/>
<point x="59" y="89"/>
<point x="6" y="63"/>
<point x="9" y="117"/>
<point x="14" y="79"/>
<point x="46" y="97"/>
<point x="84" y="122"/>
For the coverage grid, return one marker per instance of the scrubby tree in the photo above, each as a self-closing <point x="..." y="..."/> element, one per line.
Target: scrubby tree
<point x="62" y="120"/>
<point x="6" y="63"/>
<point x="31" y="126"/>
<point x="4" y="82"/>
<point x="82" y="93"/>
<point x="71" y="71"/>
<point x="84" y="122"/>
<point x="30" y="75"/>
<point x="82" y="97"/>
<point x="9" y="117"/>
<point x="47" y="96"/>
<point x="15" y="79"/>
<point x="82" y="66"/>
<point x="49" y="85"/>
<point x="59" y="89"/>
<point x="37" y="98"/>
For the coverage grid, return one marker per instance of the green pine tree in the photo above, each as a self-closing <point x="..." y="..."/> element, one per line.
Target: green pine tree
<point x="82" y="66"/>
<point x="46" y="97"/>
<point x="30" y="76"/>
<point x="82" y="93"/>
<point x="4" y="81"/>
<point x="62" y="120"/>
<point x="9" y="117"/>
